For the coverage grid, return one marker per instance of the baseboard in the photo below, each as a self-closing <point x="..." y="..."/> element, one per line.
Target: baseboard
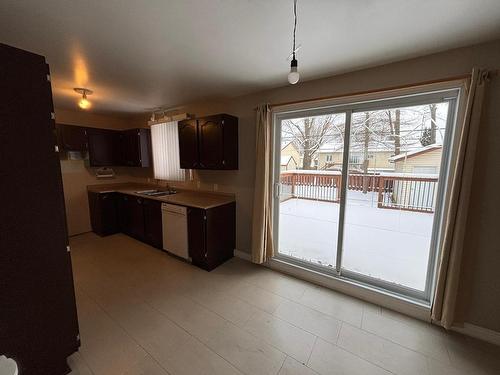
<point x="242" y="255"/>
<point x="479" y="333"/>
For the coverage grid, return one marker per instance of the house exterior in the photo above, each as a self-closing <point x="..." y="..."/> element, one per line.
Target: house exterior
<point x="425" y="160"/>
<point x="290" y="150"/>
<point x="288" y="163"/>
<point x="330" y="157"/>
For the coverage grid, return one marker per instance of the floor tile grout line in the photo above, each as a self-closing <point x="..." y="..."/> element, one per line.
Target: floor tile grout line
<point x="394" y="343"/>
<point x="293" y="301"/>
<point x="235" y="325"/>
<point x="195" y="337"/>
<point x="127" y="333"/>
<point x="312" y="349"/>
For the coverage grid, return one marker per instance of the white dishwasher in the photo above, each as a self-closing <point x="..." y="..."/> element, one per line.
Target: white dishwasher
<point x="175" y="236"/>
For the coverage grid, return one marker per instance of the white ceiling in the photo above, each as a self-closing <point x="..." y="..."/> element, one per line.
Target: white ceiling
<point x="142" y="54"/>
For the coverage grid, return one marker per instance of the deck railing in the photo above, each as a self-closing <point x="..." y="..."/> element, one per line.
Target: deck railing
<point x="394" y="191"/>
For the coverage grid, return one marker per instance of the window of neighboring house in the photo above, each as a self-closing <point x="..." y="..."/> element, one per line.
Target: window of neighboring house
<point x="165" y="144"/>
<point x="329" y="157"/>
<point x="354" y="159"/>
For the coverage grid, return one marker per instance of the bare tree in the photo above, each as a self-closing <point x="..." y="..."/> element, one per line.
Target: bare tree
<point x="310" y="133"/>
<point x="433" y="109"/>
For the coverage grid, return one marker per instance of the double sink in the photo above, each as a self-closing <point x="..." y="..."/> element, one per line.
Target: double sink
<point x="156" y="193"/>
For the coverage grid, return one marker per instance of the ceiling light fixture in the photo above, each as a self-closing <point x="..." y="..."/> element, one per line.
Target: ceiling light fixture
<point x="293" y="76"/>
<point x="84" y="103"/>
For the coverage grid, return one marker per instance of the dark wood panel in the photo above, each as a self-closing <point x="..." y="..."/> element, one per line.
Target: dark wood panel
<point x="72" y="138"/>
<point x="211" y="235"/>
<point x="136" y="217"/>
<point x="211" y="142"/>
<point x="38" y="321"/>
<point x="197" y="236"/>
<point x="104" y="147"/>
<point x="153" y="228"/>
<point x="103" y="213"/>
<point x="188" y="144"/>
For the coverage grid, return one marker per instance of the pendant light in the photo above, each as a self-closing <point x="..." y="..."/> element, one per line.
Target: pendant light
<point x="84" y="103"/>
<point x="293" y="76"/>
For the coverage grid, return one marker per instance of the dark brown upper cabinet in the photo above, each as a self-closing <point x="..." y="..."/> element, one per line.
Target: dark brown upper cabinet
<point x="72" y="138"/>
<point x="135" y="147"/>
<point x="209" y="142"/>
<point x="104" y="147"/>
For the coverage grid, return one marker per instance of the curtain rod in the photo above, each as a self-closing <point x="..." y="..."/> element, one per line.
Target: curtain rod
<point x="449" y="79"/>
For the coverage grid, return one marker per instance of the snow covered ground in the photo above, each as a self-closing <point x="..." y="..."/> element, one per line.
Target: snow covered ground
<point x="392" y="245"/>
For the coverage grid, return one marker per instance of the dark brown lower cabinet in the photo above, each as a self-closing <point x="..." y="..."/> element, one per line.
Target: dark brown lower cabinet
<point x="104" y="213"/>
<point x="38" y="318"/>
<point x="211" y="235"/>
<point x="211" y="232"/>
<point x="135" y="216"/>
<point x="153" y="229"/>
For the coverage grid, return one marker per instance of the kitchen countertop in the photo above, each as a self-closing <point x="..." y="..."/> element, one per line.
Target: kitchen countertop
<point x="189" y="198"/>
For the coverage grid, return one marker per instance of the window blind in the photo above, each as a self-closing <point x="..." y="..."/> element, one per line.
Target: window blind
<point x="165" y="143"/>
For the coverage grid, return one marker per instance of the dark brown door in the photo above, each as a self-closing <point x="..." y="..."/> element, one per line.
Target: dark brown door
<point x="104" y="147"/>
<point x="153" y="231"/>
<point x="211" y="142"/>
<point x="188" y="144"/>
<point x="38" y="321"/>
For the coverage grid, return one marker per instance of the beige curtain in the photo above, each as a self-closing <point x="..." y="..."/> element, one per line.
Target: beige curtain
<point x="455" y="216"/>
<point x="262" y="229"/>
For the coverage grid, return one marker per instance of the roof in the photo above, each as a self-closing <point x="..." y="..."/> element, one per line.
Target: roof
<point x="286" y="159"/>
<point x="411" y="154"/>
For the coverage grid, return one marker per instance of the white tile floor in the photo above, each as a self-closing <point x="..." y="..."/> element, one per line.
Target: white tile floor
<point x="142" y="312"/>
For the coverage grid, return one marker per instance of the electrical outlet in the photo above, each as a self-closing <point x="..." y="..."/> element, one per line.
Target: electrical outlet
<point x="216" y="187"/>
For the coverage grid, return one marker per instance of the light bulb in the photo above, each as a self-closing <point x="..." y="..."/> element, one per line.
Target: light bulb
<point x="84" y="103"/>
<point x="293" y="76"/>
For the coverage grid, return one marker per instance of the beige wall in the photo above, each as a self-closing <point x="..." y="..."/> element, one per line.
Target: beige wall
<point x="76" y="174"/>
<point x="483" y="237"/>
<point x="426" y="159"/>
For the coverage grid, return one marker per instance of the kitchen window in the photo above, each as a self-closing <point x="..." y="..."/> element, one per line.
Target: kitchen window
<point x="165" y="144"/>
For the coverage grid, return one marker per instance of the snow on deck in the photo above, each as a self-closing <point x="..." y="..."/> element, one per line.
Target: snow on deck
<point x="392" y="245"/>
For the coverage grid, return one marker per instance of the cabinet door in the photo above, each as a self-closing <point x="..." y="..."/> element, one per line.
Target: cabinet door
<point x="108" y="208"/>
<point x="136" y="217"/>
<point x="197" y="236"/>
<point x="188" y="144"/>
<point x="211" y="142"/>
<point x="153" y="223"/>
<point x="124" y="213"/>
<point x="104" y="147"/>
<point x="130" y="147"/>
<point x="72" y="138"/>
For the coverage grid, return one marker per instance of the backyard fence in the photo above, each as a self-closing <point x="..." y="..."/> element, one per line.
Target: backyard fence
<point x="394" y="191"/>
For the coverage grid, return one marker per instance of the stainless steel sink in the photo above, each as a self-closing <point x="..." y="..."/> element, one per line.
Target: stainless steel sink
<point x="155" y="193"/>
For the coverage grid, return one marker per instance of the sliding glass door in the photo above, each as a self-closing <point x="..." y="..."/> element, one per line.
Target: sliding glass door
<point x="359" y="188"/>
<point x="309" y="197"/>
